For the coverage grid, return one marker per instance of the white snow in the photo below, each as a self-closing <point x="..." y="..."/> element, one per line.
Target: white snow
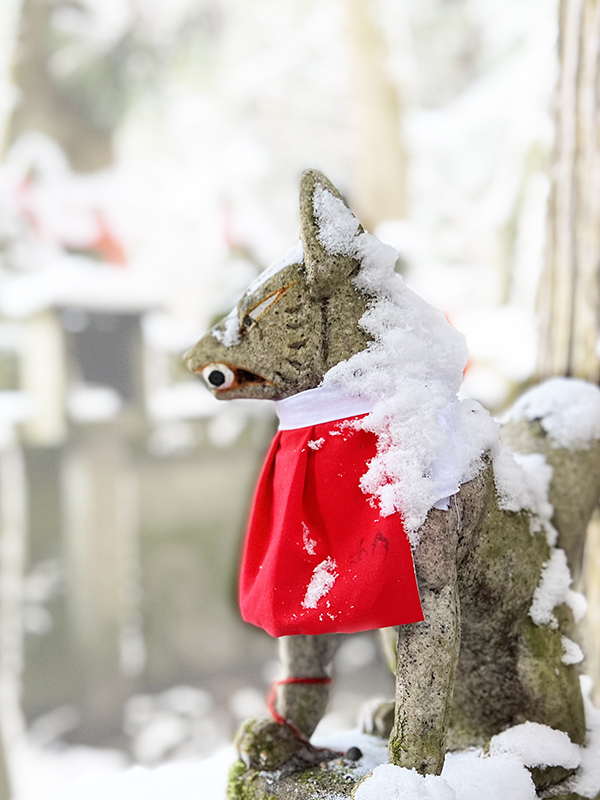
<point x="572" y="653"/>
<point x="537" y="745"/>
<point x="396" y="783"/>
<point x="429" y="441"/>
<point x="553" y="590"/>
<point x="473" y="777"/>
<point x="316" y="444"/>
<point x="308" y="541"/>
<point x="568" y="410"/>
<point x="587" y="781"/>
<point x="229" y="334"/>
<point x="337" y="224"/>
<point x="374" y="749"/>
<point x="522" y="482"/>
<point x="177" y="781"/>
<point x="467" y="775"/>
<point x="577" y="602"/>
<point x="323" y="578"/>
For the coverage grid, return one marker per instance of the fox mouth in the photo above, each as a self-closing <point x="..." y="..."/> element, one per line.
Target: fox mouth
<point x="226" y="377"/>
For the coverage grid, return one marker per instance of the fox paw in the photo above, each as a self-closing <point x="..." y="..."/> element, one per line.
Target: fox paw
<point x="267" y="745"/>
<point x="377" y="718"/>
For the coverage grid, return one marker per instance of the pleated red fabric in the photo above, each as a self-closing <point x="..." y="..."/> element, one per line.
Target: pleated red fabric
<point x="318" y="558"/>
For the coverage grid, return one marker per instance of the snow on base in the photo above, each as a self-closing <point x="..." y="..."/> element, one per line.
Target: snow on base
<point x="396" y="783"/>
<point x="473" y="777"/>
<point x="466" y="776"/>
<point x="568" y="410"/>
<point x="537" y="745"/>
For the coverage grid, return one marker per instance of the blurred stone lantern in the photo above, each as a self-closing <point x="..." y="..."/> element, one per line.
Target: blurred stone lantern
<point x="78" y="382"/>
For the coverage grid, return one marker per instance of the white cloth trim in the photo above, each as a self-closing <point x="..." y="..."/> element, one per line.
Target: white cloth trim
<point x="314" y="406"/>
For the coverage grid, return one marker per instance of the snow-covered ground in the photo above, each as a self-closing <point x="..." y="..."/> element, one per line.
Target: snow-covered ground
<point x="497" y="773"/>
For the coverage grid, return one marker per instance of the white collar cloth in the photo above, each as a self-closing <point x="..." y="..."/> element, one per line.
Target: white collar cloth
<point x="314" y="406"/>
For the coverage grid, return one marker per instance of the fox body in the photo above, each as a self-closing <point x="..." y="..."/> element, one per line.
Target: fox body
<point x="477" y="663"/>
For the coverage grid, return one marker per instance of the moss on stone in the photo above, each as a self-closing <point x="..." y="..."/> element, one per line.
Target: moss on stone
<point x="241" y="784"/>
<point x="552" y="688"/>
<point x="573" y="796"/>
<point x="549" y="776"/>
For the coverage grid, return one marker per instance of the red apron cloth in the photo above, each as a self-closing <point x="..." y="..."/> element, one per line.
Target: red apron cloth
<point x="318" y="558"/>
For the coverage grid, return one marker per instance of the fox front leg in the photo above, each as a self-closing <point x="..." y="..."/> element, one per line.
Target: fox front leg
<point x="305" y="657"/>
<point x="270" y="744"/>
<point x="428" y="652"/>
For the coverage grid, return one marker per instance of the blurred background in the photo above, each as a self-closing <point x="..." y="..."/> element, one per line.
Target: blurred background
<point x="149" y="169"/>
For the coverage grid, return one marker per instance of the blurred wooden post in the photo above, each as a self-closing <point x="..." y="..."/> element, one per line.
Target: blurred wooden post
<point x="10" y="12"/>
<point x="569" y="297"/>
<point x="13" y="524"/>
<point x="101" y="531"/>
<point x="380" y="165"/>
<point x="569" y="294"/>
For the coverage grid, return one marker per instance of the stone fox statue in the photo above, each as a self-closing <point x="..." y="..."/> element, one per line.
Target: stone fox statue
<point x="386" y="501"/>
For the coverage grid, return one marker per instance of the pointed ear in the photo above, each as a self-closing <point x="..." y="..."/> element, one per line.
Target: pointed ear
<point x="328" y="230"/>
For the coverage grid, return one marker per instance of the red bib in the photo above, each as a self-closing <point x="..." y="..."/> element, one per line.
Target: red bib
<point x="318" y="558"/>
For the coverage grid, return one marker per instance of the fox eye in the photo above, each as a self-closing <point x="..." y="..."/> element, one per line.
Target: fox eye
<point x="218" y="376"/>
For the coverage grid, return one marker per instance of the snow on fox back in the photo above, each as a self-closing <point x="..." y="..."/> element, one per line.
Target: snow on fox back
<point x="429" y="441"/>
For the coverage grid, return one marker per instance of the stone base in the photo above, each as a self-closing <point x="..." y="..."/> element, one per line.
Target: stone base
<point x="328" y="780"/>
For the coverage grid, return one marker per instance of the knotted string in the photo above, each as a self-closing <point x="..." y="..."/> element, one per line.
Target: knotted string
<point x="272" y="698"/>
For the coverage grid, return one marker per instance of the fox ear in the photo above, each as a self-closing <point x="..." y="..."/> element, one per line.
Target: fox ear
<point x="328" y="230"/>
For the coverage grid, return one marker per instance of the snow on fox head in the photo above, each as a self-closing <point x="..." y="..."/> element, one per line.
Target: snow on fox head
<point x="334" y="312"/>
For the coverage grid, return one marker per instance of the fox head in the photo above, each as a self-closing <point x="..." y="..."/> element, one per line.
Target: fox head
<point x="299" y="318"/>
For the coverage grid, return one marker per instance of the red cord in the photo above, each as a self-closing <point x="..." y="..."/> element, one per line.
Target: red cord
<point x="272" y="698"/>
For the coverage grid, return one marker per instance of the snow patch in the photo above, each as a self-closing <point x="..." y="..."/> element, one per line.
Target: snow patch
<point x="309" y="543"/>
<point x="316" y="444"/>
<point x="572" y="653"/>
<point x="553" y="590"/>
<point x="473" y="777"/>
<point x="567" y="408"/>
<point x="537" y="745"/>
<point x="587" y="781"/>
<point x="228" y="334"/>
<point x="522" y="483"/>
<point x="429" y="441"/>
<point x="323" y="578"/>
<point x="337" y="224"/>
<point x="396" y="783"/>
